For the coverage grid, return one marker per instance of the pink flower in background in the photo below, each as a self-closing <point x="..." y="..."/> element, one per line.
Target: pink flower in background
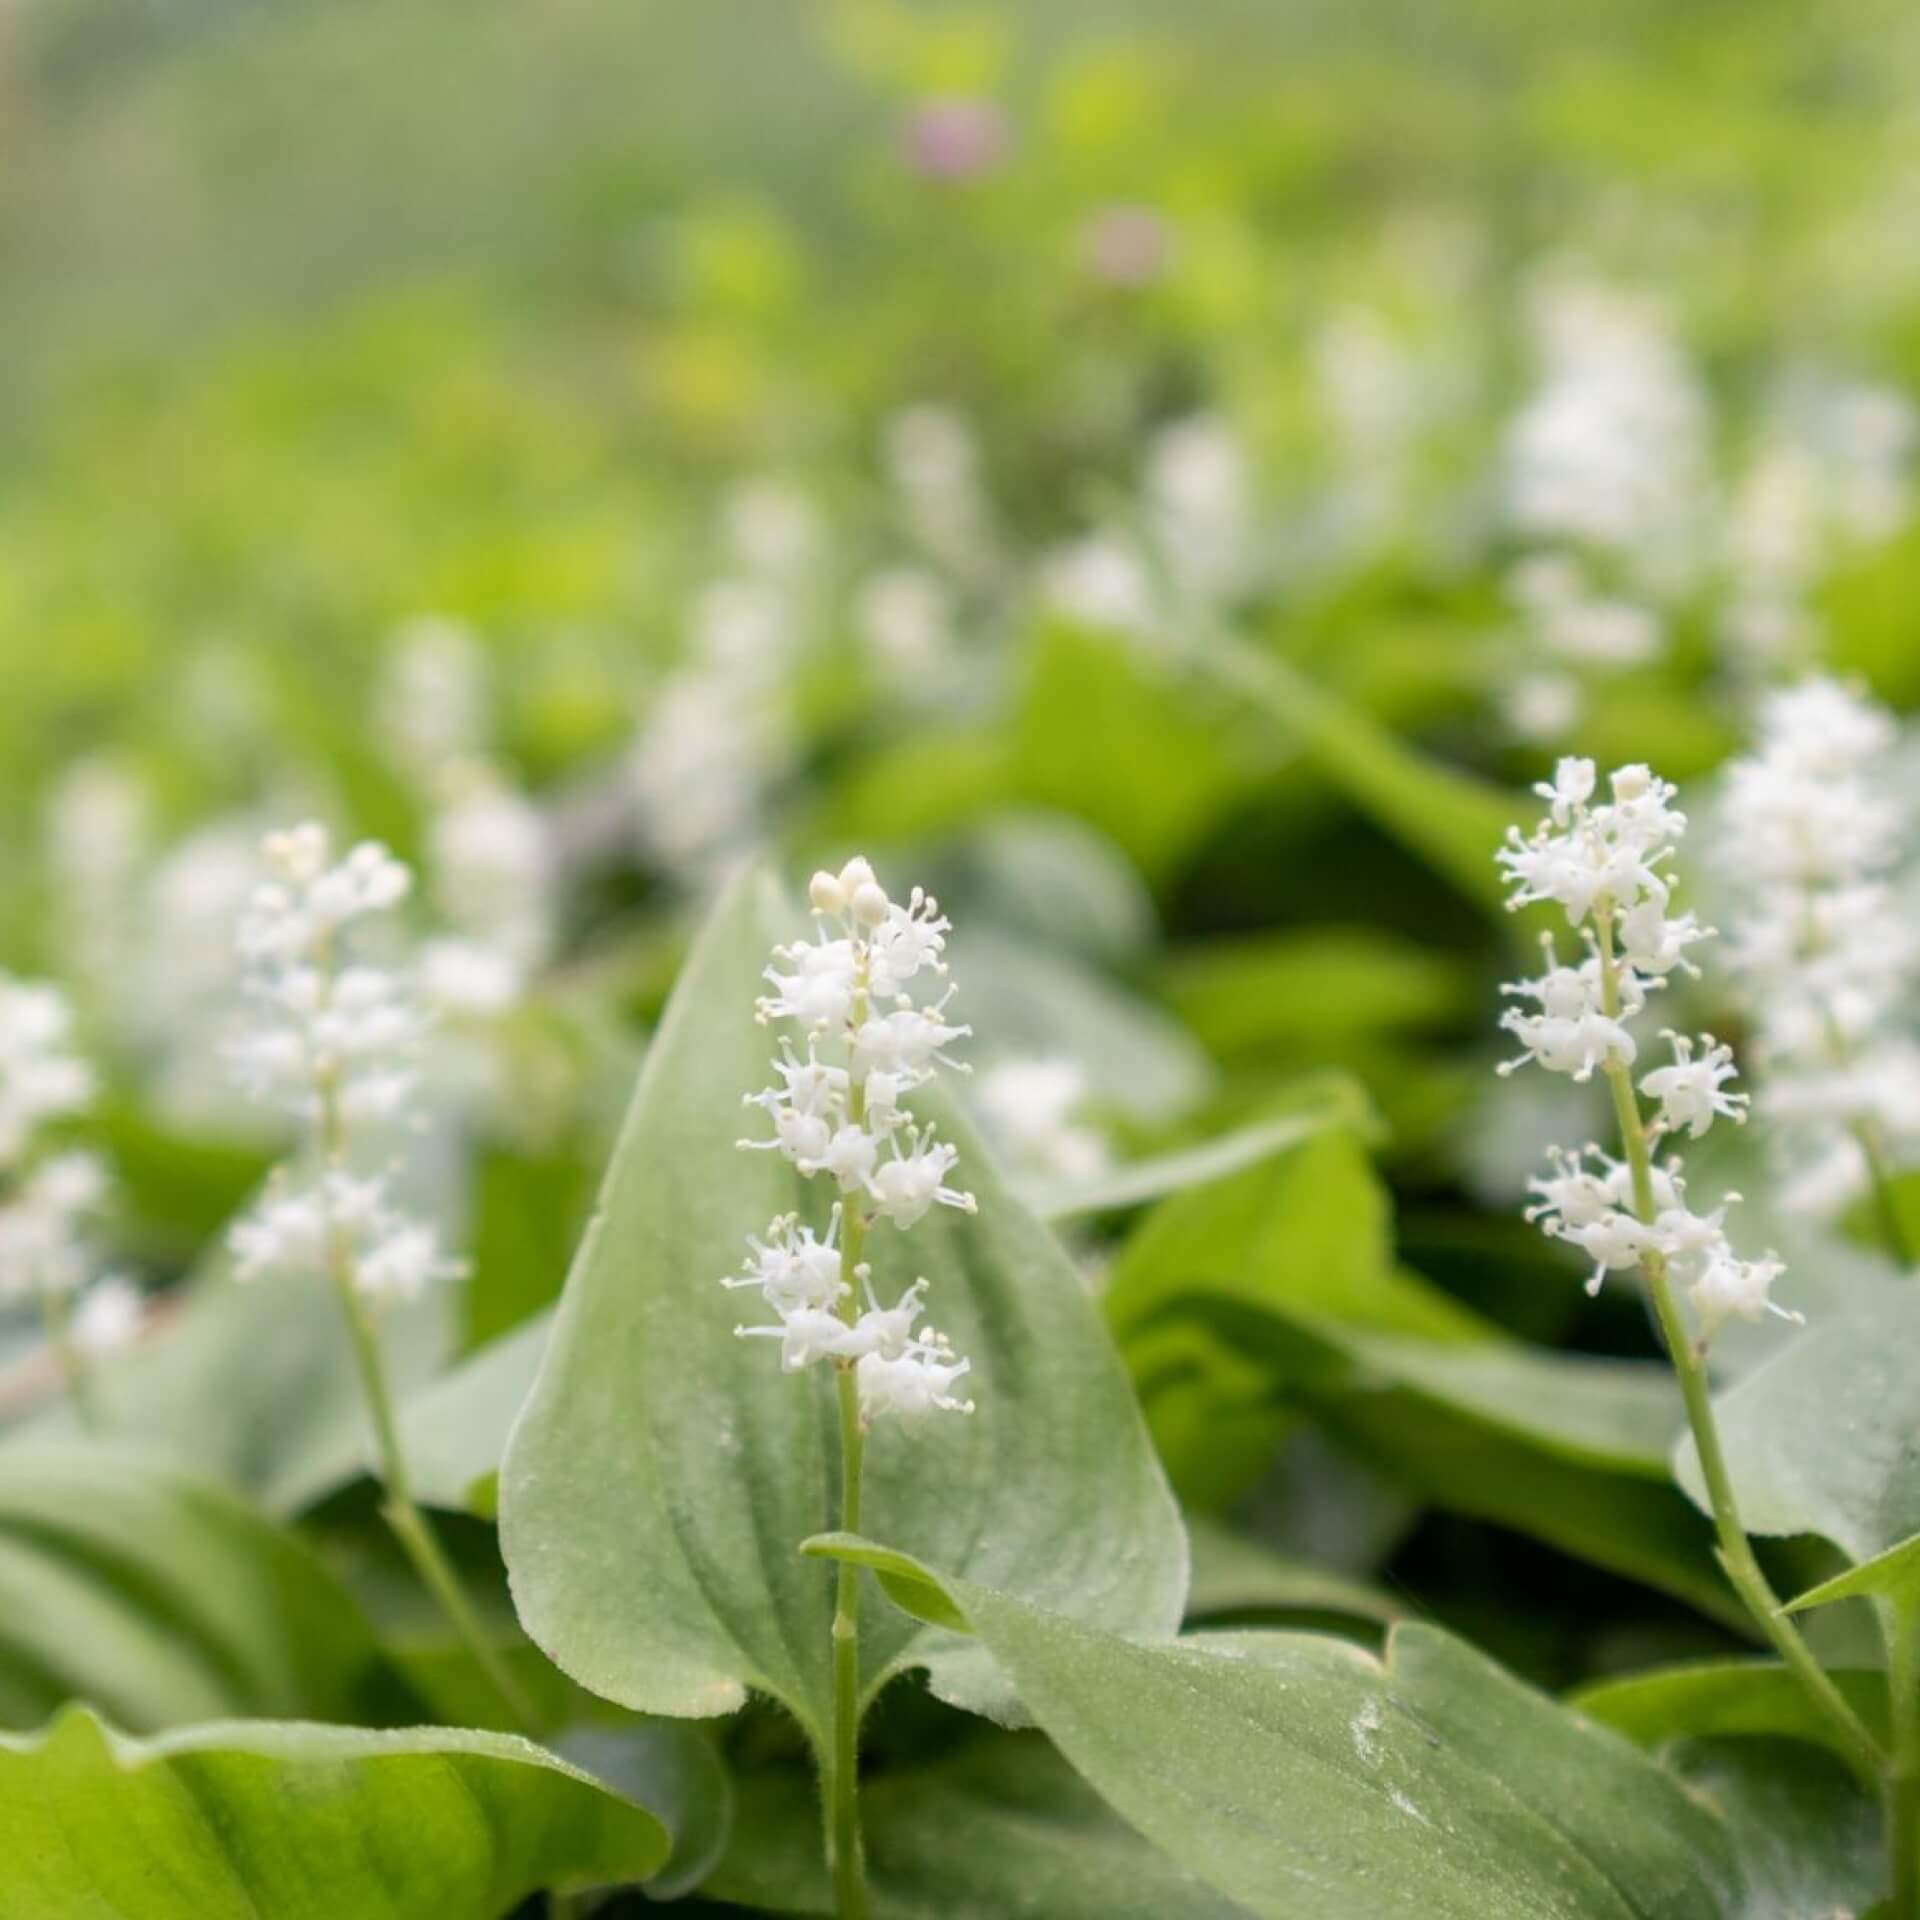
<point x="956" y="138"/>
<point x="1126" y="246"/>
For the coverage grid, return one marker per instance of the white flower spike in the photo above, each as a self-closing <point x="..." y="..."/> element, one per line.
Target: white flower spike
<point x="838" y="1111"/>
<point x="1598" y="862"/>
<point x="333" y="1044"/>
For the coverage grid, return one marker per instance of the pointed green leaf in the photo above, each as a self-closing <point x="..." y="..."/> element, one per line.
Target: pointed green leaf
<point x="1308" y="1781"/>
<point x="265" y="1820"/>
<point x="162" y="1598"/>
<point x="1328" y="1102"/>
<point x="1717" y="1697"/>
<point x="663" y="1474"/>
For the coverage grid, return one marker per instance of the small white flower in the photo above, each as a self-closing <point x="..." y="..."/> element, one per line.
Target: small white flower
<point x="1733" y="1289"/>
<point x="912" y="1384"/>
<point x="1614" y="1242"/>
<point x="107" y="1317"/>
<point x="1691" y="1092"/>
<point x="400" y="1265"/>
<point x="907" y="1186"/>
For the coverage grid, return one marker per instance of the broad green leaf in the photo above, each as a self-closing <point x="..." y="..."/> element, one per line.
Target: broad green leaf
<point x="1614" y="1516"/>
<point x="1308" y="1781"/>
<point x="663" y="1473"/>
<point x="1719" y="1697"/>
<point x="265" y="1820"/>
<point x="1309" y="1233"/>
<point x="1808" y="1839"/>
<point x="1234" y="1574"/>
<point x="161" y="1598"/>
<point x="1453" y="820"/>
<point x="1004" y="1827"/>
<point x="1819" y="1439"/>
<point x="1327" y="1102"/>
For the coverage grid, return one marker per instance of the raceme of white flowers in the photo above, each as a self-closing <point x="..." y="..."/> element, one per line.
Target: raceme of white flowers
<point x="333" y="1042"/>
<point x="859" y="1043"/>
<point x="47" y="1193"/>
<point x="1604" y="864"/>
<point x="1818" y="948"/>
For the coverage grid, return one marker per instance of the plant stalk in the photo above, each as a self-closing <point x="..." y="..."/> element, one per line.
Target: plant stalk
<point x="1737" y="1560"/>
<point x="845" y="1853"/>
<point x="402" y="1514"/>
<point x="1902" y="1787"/>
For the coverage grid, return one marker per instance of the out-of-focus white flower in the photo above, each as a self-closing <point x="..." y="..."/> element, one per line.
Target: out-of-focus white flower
<point x="332" y="1043"/>
<point x="41" y="1077"/>
<point x="1102" y="581"/>
<point x="432" y="703"/>
<point x="837" y="1112"/>
<point x="107" y="1317"/>
<point x="1199" y="506"/>
<point x="97" y="831"/>
<point x="905" y="619"/>
<point x="772" y="531"/>
<point x="1028" y="1107"/>
<point x="1819" y="950"/>
<point x="1611" y="450"/>
<point x="491" y="875"/>
<point x="933" y="464"/>
<point x="715" y="735"/>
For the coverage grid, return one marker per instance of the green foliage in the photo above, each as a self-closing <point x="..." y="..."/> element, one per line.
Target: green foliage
<point x="268" y="1820"/>
<point x="1431" y="1785"/>
<point x="162" y="1599"/>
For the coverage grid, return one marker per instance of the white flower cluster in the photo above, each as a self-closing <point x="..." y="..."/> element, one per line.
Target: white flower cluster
<point x="1602" y="863"/>
<point x="46" y="1197"/>
<point x="837" y="1111"/>
<point x="1829" y="470"/>
<point x="492" y="871"/>
<point x="1570" y="634"/>
<point x="1611" y="452"/>
<point x="1819" y="950"/>
<point x="715" y="736"/>
<point x="334" y="1044"/>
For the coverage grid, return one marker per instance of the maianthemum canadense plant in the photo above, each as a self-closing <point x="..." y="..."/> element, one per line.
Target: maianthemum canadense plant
<point x="805" y="1504"/>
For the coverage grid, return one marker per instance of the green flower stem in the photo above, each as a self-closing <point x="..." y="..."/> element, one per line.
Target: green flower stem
<point x="1689" y="1364"/>
<point x="1901" y="1626"/>
<point x="75" y="1375"/>
<point x="841" y="1795"/>
<point x="410" y="1526"/>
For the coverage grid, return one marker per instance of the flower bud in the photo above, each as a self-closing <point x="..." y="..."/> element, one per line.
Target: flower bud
<point x="870" y="904"/>
<point x="826" y="893"/>
<point x="857" y="873"/>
